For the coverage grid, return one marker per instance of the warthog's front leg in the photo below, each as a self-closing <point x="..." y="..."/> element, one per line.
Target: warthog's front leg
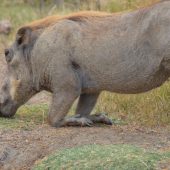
<point x="61" y="103"/>
<point x="85" y="106"/>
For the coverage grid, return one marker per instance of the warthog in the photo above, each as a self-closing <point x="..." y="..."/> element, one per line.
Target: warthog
<point x="83" y="54"/>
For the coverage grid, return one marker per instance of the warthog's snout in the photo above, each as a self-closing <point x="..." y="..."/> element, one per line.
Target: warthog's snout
<point x="7" y="107"/>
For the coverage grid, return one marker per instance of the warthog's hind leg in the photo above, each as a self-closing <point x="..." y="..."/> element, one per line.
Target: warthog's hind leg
<point x="86" y="104"/>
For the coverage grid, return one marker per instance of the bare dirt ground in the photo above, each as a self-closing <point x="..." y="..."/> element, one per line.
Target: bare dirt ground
<point x="21" y="149"/>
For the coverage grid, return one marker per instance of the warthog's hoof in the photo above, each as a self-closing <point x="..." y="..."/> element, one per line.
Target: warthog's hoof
<point x="100" y="118"/>
<point x="77" y="121"/>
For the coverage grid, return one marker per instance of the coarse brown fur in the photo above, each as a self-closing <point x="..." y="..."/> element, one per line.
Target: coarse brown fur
<point x="79" y="16"/>
<point x="51" y="20"/>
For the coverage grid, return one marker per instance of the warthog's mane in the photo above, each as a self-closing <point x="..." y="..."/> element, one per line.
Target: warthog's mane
<point x="50" y="20"/>
<point x="78" y="17"/>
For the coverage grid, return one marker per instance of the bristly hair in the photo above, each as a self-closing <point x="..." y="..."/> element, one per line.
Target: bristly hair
<point x="50" y="20"/>
<point x="78" y="17"/>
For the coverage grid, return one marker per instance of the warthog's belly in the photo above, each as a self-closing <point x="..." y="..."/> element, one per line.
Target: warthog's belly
<point x="125" y="82"/>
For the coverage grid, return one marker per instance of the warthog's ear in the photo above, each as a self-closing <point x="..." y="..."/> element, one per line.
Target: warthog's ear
<point x="23" y="36"/>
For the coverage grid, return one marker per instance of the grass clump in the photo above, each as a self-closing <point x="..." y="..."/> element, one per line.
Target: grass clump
<point x="27" y="117"/>
<point x="149" y="109"/>
<point x="96" y="157"/>
<point x="126" y="5"/>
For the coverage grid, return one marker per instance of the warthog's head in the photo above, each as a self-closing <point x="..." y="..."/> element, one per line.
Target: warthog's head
<point x="17" y="87"/>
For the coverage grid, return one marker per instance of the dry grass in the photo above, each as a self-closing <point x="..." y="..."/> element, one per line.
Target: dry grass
<point x="126" y="5"/>
<point x="151" y="108"/>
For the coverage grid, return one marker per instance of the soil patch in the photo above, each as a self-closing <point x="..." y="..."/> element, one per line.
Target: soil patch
<point x="20" y="149"/>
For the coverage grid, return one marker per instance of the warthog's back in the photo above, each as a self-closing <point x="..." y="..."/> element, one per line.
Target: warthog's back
<point x="111" y="52"/>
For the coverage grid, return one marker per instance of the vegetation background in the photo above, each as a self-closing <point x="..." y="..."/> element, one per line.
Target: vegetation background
<point x="149" y="109"/>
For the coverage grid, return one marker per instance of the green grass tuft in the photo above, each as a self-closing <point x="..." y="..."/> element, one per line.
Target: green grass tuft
<point x="96" y="157"/>
<point x="27" y="117"/>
